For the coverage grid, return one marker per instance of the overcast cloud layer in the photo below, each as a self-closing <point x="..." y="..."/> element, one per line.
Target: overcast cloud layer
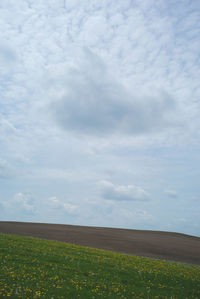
<point x="99" y="113"/>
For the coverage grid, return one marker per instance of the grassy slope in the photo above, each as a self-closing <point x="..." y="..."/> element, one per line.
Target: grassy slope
<point x="32" y="268"/>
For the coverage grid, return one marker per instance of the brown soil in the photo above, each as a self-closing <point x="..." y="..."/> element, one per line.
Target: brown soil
<point x="154" y="244"/>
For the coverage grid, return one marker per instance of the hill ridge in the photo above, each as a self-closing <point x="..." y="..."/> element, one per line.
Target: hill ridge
<point x="163" y="245"/>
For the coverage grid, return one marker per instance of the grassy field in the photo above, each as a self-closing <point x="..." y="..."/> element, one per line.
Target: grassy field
<point x="33" y="268"/>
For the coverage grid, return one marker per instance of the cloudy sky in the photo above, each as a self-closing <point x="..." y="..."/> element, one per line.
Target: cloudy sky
<point x="99" y="113"/>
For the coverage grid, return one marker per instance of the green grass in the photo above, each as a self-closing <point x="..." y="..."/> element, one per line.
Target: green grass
<point x="33" y="268"/>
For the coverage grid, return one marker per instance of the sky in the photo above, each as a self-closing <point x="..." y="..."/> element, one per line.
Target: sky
<point x="99" y="113"/>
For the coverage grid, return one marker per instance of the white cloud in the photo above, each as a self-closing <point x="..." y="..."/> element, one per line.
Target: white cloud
<point x="123" y="192"/>
<point x="7" y="59"/>
<point x="24" y="201"/>
<point x="69" y="207"/>
<point x="6" y="171"/>
<point x="95" y="30"/>
<point x="6" y="127"/>
<point x="94" y="103"/>
<point x="63" y="205"/>
<point x="171" y="193"/>
<point x="54" y="201"/>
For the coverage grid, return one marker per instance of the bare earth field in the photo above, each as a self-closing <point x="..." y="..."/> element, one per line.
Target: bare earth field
<point x="155" y="244"/>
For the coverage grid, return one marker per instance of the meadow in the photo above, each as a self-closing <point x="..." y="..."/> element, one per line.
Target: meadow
<point x="33" y="268"/>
